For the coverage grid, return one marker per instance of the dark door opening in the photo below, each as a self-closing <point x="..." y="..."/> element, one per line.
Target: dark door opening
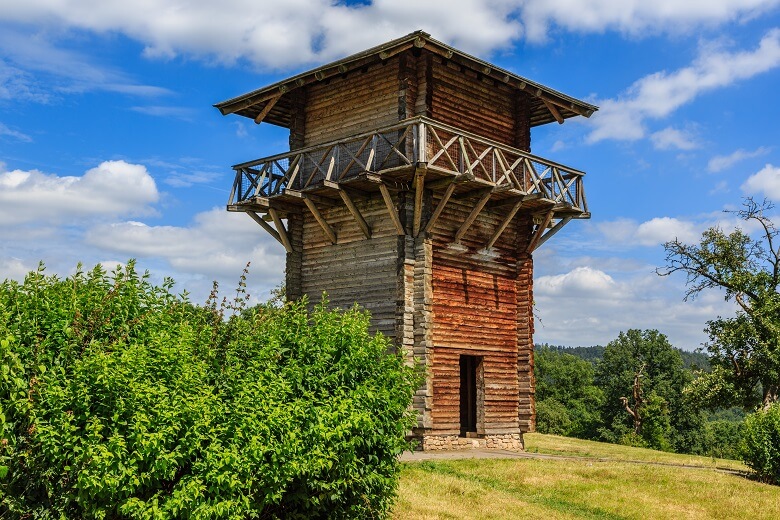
<point x="469" y="366"/>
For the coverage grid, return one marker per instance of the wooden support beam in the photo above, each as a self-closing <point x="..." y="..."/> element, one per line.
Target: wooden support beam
<point x="472" y="216"/>
<point x="263" y="224"/>
<point x="320" y="219"/>
<point x="439" y="207"/>
<point x="322" y="201"/>
<point x="554" y="111"/>
<point x="445" y="183"/>
<point x="284" y="239"/>
<point x="391" y="209"/>
<point x="539" y="230"/>
<point x="557" y="227"/>
<point x="419" y="190"/>
<point x="504" y="223"/>
<point x="267" y="108"/>
<point x="361" y="222"/>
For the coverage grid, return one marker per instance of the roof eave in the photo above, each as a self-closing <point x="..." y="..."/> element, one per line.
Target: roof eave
<point x="419" y="39"/>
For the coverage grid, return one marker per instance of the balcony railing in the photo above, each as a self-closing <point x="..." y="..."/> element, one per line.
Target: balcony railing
<point x="411" y="143"/>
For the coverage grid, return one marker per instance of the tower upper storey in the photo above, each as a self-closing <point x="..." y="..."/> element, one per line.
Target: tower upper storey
<point x="410" y="114"/>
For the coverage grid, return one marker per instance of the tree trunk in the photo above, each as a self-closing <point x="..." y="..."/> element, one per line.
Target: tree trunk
<point x="770" y="395"/>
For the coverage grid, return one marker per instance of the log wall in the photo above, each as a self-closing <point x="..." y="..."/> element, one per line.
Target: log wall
<point x="477" y="302"/>
<point x="437" y="300"/>
<point x="462" y="98"/>
<point x="354" y="269"/>
<point x="349" y="105"/>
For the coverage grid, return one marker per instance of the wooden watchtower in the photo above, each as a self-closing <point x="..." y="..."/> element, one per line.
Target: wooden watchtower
<point x="409" y="188"/>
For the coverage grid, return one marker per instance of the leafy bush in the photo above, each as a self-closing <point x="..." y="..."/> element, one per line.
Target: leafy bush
<point x="119" y="399"/>
<point x="761" y="443"/>
<point x="552" y="417"/>
<point x="568" y="403"/>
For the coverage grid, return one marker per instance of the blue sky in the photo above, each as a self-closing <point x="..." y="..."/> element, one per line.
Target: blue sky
<point x="110" y="148"/>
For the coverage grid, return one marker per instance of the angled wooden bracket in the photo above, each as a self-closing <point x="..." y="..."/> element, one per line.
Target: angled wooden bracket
<point x="320" y="219"/>
<point x="283" y="238"/>
<point x="267" y="108"/>
<point x="557" y="227"/>
<point x="361" y="222"/>
<point x="391" y="209"/>
<point x="263" y="224"/>
<point x="473" y="215"/>
<point x="539" y="230"/>
<point x="554" y="111"/>
<point x="355" y="213"/>
<point x="504" y="223"/>
<point x="440" y="207"/>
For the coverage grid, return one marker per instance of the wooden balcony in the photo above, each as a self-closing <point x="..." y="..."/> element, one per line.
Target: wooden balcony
<point x="416" y="153"/>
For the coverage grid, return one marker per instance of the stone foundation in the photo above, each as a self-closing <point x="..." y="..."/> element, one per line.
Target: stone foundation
<point x="510" y="441"/>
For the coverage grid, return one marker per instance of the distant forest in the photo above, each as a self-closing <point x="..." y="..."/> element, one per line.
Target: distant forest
<point x="594" y="354"/>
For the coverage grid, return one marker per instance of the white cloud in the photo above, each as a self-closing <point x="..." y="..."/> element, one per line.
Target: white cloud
<point x="18" y="85"/>
<point x="588" y="306"/>
<point x="765" y="182"/>
<point x="634" y="16"/>
<point x="722" y="162"/>
<point x="653" y="232"/>
<point x="35" y="56"/>
<point x="217" y="244"/>
<point x="14" y="268"/>
<point x="672" y="138"/>
<point x="15" y="134"/>
<point x="183" y="113"/>
<point x="581" y="281"/>
<point x="277" y="34"/>
<point x="663" y="229"/>
<point x="658" y="95"/>
<point x="112" y="188"/>
<point x="296" y="32"/>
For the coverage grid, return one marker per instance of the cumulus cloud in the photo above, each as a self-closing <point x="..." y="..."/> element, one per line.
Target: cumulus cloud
<point x="653" y="232"/>
<point x="580" y="281"/>
<point x="36" y="68"/>
<point x="658" y="95"/>
<point x="723" y="162"/>
<point x="296" y="32"/>
<point x="110" y="189"/>
<point x="588" y="306"/>
<point x="672" y="138"/>
<point x="765" y="182"/>
<point x="277" y="34"/>
<point x="217" y="244"/>
<point x="633" y="16"/>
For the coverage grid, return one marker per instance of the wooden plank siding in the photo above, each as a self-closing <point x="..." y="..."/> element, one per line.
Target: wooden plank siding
<point x="476" y="300"/>
<point x="438" y="300"/>
<point x="352" y="104"/>
<point x="354" y="269"/>
<point x="462" y="99"/>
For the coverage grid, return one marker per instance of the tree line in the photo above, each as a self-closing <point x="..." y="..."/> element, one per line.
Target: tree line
<point x="633" y="391"/>
<point x="639" y="390"/>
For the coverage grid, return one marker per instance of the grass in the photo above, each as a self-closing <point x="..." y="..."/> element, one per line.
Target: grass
<point x="588" y="488"/>
<point x="556" y="445"/>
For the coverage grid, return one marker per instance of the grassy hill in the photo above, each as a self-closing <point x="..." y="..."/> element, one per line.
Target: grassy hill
<point x="583" y="479"/>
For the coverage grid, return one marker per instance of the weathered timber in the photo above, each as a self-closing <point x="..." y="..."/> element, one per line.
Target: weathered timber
<point x="411" y="190"/>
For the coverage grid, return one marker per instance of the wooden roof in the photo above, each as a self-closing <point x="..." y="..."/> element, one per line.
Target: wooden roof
<point x="269" y="103"/>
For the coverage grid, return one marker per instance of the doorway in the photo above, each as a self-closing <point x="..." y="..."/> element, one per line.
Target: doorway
<point x="470" y="395"/>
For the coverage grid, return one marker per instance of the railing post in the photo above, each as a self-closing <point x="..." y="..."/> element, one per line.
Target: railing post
<point x="422" y="146"/>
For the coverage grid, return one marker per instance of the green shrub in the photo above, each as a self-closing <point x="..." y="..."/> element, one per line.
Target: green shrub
<point x="761" y="443"/>
<point x="552" y="417"/>
<point x="119" y="399"/>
